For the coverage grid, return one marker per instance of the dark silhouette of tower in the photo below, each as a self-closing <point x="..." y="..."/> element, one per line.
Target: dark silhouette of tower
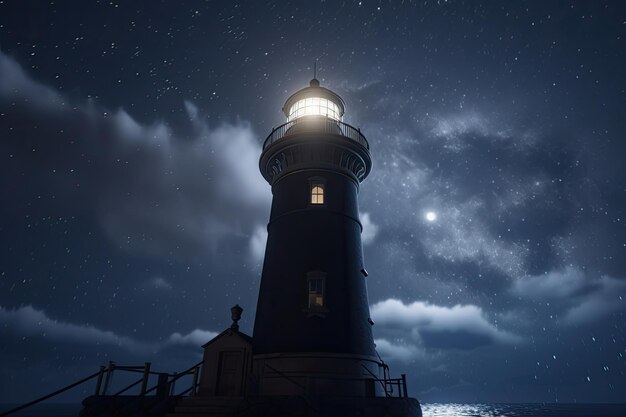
<point x="312" y="330"/>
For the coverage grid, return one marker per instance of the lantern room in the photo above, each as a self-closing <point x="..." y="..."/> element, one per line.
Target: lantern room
<point x="314" y="101"/>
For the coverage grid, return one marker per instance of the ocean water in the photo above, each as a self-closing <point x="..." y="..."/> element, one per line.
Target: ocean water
<point x="429" y="410"/>
<point x="524" y="410"/>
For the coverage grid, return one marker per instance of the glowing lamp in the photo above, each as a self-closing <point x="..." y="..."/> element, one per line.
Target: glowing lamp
<point x="314" y="101"/>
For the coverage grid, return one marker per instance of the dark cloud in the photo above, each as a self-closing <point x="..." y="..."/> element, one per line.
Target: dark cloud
<point x="152" y="192"/>
<point x="29" y="322"/>
<point x="98" y="185"/>
<point x="581" y="299"/>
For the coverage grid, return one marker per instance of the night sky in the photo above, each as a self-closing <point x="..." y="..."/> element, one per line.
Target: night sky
<point x="133" y="214"/>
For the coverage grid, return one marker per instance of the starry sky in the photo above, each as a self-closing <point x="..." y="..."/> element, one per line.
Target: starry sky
<point x="132" y="212"/>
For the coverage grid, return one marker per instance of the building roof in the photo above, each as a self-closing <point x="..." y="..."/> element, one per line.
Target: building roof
<point x="230" y="332"/>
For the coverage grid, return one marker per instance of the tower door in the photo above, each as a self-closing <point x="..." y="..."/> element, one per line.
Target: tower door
<point x="229" y="374"/>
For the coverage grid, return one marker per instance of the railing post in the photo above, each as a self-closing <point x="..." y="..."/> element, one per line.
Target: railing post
<point x="195" y="381"/>
<point x="99" y="381"/>
<point x="108" y="378"/>
<point x="404" y="389"/>
<point x="146" y="376"/>
<point x="173" y="384"/>
<point x="162" y="390"/>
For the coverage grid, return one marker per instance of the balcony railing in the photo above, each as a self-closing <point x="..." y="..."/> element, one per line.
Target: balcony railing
<point x="322" y="125"/>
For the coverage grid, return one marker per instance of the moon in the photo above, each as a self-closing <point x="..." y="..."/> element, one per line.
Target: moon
<point x="431" y="216"/>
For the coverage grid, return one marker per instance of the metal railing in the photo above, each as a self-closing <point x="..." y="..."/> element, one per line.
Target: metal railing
<point x="392" y="387"/>
<point x="165" y="387"/>
<point x="399" y="383"/>
<point x="52" y="394"/>
<point x="320" y="125"/>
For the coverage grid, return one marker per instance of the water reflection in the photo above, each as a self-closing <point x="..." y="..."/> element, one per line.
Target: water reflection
<point x="524" y="410"/>
<point x="466" y="410"/>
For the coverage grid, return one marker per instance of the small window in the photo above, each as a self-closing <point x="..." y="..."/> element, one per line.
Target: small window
<point x="316" y="303"/>
<point x="317" y="194"/>
<point x="316" y="292"/>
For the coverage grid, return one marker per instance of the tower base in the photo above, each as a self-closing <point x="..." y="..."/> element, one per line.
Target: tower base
<point x="274" y="406"/>
<point x="290" y="406"/>
<point x="317" y="374"/>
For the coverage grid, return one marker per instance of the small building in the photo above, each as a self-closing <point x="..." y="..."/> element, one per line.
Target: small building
<point x="227" y="362"/>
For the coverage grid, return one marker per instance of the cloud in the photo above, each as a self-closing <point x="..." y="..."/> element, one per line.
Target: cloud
<point x="460" y="326"/>
<point x="196" y="337"/>
<point x="30" y="322"/>
<point x="192" y="195"/>
<point x="608" y="299"/>
<point x="397" y="351"/>
<point x="579" y="297"/>
<point x="16" y="85"/>
<point x="257" y="244"/>
<point x="370" y="229"/>
<point x="152" y="190"/>
<point x="556" y="284"/>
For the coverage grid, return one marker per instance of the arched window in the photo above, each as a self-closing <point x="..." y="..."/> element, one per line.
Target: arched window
<point x="317" y="193"/>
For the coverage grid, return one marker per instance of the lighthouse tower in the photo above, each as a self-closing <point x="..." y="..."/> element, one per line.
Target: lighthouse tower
<point x="312" y="332"/>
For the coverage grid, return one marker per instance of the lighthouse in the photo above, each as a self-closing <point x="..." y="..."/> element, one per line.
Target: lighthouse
<point x="312" y="353"/>
<point x="312" y="331"/>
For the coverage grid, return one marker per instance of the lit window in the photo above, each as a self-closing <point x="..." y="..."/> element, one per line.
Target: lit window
<point x="314" y="106"/>
<point x="317" y="194"/>
<point x="316" y="292"/>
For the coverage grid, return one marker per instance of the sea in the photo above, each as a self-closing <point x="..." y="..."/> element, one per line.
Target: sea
<point x="428" y="409"/>
<point x="524" y="410"/>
